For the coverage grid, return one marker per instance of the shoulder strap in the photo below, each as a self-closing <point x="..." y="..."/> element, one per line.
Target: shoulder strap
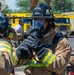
<point x="55" y="41"/>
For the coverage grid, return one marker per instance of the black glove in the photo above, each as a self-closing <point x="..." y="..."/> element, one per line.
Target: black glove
<point x="34" y="43"/>
<point x="23" y="51"/>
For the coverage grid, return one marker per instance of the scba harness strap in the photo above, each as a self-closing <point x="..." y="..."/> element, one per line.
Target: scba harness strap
<point x="56" y="39"/>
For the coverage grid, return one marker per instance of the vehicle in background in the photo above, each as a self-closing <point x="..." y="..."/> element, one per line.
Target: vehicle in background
<point x="71" y="17"/>
<point x="13" y="18"/>
<point x="63" y="24"/>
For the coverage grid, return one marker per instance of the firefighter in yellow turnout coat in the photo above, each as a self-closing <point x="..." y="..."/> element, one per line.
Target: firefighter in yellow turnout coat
<point x="6" y="34"/>
<point x="52" y="49"/>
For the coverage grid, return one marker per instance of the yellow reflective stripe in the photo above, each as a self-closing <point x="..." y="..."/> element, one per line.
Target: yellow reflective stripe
<point x="34" y="63"/>
<point x="16" y="60"/>
<point x="6" y="47"/>
<point x="20" y="62"/>
<point x="6" y="50"/>
<point x="48" y="59"/>
<point x="10" y="35"/>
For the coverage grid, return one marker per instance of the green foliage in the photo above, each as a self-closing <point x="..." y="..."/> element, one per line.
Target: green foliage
<point x="7" y="10"/>
<point x="58" y="6"/>
<point x="43" y="1"/>
<point x="62" y="5"/>
<point x="24" y="5"/>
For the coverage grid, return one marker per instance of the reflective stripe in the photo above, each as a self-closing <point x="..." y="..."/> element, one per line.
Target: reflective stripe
<point x="16" y="60"/>
<point x="20" y="62"/>
<point x="5" y="47"/>
<point x="48" y="59"/>
<point x="34" y="63"/>
<point x="38" y="64"/>
<point x="10" y="35"/>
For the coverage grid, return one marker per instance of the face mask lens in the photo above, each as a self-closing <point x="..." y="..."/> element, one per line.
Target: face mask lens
<point x="37" y="24"/>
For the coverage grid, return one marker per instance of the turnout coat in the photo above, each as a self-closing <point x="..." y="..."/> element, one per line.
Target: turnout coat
<point x="62" y="53"/>
<point x="6" y="64"/>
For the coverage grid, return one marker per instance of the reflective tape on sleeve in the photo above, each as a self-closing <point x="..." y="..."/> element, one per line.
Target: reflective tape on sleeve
<point x="10" y="35"/>
<point x="48" y="59"/>
<point x="5" y="47"/>
<point x="16" y="60"/>
<point x="35" y="63"/>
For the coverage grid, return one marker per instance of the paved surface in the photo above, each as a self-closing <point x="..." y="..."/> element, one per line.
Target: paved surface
<point x="71" y="40"/>
<point x="19" y="71"/>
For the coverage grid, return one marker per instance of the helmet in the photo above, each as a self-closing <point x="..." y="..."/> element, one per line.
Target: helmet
<point x="3" y="22"/>
<point x="42" y="11"/>
<point x="42" y="14"/>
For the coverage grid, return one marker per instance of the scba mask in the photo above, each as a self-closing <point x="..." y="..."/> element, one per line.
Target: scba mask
<point x="38" y="25"/>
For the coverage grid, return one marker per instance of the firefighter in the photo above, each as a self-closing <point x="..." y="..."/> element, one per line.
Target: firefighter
<point x="6" y="34"/>
<point x="49" y="36"/>
<point x="45" y="51"/>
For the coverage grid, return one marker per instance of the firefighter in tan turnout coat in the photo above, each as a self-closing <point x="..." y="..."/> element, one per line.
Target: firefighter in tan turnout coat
<point x="45" y="51"/>
<point x="6" y="34"/>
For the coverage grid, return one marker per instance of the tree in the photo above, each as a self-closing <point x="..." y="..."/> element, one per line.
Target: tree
<point x="24" y="5"/>
<point x="58" y="6"/>
<point x="62" y="5"/>
<point x="7" y="10"/>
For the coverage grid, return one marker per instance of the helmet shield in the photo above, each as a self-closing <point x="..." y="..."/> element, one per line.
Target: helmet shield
<point x="42" y="13"/>
<point x="38" y="25"/>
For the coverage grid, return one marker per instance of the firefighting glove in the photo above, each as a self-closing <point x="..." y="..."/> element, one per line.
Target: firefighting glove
<point x="35" y="44"/>
<point x="23" y="51"/>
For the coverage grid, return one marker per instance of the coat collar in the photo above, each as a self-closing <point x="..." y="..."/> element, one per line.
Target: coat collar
<point x="47" y="38"/>
<point x="51" y="33"/>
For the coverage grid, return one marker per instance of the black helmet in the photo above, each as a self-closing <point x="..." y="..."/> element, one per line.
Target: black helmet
<point x="42" y="11"/>
<point x="42" y="14"/>
<point x="4" y="24"/>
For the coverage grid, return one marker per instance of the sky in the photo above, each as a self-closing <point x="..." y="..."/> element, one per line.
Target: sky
<point x="11" y="4"/>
